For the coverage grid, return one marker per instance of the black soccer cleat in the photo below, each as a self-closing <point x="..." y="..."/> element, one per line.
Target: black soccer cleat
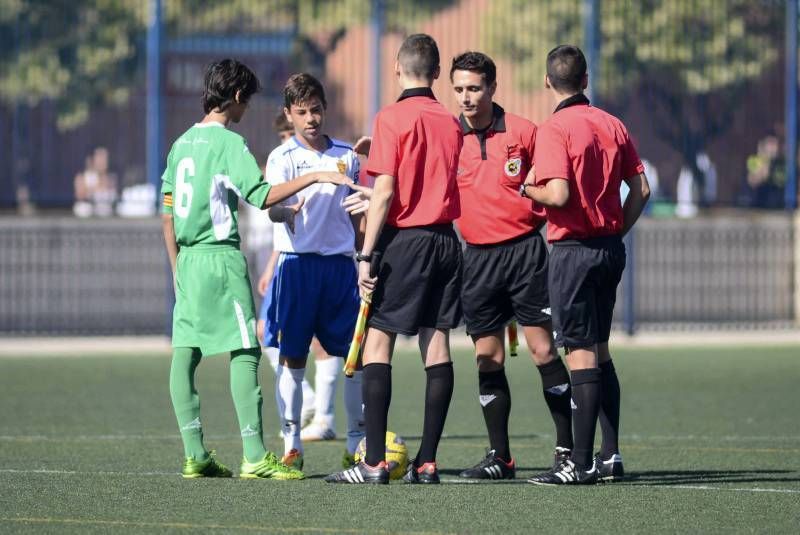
<point x="425" y="474"/>
<point x="491" y="467"/>
<point x="611" y="469"/>
<point x="362" y="473"/>
<point x="560" y="455"/>
<point x="566" y="474"/>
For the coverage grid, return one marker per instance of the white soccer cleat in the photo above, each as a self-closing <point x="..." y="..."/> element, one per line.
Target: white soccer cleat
<point x="316" y="431"/>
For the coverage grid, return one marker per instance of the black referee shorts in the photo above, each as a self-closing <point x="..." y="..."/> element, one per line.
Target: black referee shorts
<point x="583" y="280"/>
<point x="505" y="281"/>
<point x="419" y="280"/>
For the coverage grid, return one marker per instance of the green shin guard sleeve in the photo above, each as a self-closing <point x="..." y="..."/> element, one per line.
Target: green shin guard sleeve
<point x="247" y="399"/>
<point x="186" y="401"/>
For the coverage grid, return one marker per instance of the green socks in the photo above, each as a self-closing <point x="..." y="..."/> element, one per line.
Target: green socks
<point x="186" y="402"/>
<point x="247" y="399"/>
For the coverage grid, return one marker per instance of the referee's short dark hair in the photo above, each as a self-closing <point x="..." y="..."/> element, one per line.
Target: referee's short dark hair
<point x="476" y="62"/>
<point x="223" y="79"/>
<point x="301" y="88"/>
<point x="566" y="68"/>
<point x="419" y="56"/>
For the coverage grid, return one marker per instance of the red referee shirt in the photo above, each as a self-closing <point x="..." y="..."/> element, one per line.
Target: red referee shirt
<point x="491" y="167"/>
<point x="417" y="141"/>
<point x="592" y="150"/>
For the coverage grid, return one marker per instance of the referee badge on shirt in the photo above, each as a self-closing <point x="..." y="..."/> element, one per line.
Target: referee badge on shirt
<point x="513" y="166"/>
<point x="341" y="166"/>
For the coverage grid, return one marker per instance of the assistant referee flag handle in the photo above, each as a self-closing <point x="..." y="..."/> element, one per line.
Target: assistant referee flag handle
<point x="363" y="312"/>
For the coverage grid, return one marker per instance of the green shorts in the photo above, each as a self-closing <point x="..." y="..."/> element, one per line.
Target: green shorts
<point x="214" y="308"/>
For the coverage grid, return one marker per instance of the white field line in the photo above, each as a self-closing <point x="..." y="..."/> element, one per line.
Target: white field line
<point x="543" y="436"/>
<point x="160" y="345"/>
<point x="197" y="528"/>
<point x="83" y="346"/>
<point x="706" y="487"/>
<point x="449" y="481"/>
<point x="76" y="472"/>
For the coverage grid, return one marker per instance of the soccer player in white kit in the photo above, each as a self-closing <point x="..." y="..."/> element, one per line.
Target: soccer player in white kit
<point x="314" y="291"/>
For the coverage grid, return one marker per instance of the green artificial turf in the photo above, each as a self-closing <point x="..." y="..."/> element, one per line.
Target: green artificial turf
<point x="710" y="439"/>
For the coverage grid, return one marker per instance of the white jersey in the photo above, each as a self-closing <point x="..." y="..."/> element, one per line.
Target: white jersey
<point x="322" y="226"/>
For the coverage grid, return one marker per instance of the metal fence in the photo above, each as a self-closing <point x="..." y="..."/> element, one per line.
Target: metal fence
<point x="708" y="88"/>
<point x="734" y="271"/>
<point x="64" y="276"/>
<point x="70" y="277"/>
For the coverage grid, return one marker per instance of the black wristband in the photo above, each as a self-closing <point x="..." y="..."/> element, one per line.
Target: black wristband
<point x="363" y="257"/>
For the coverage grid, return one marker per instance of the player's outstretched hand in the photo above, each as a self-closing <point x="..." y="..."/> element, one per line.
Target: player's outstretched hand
<point x="366" y="284"/>
<point x="363" y="145"/>
<point x="358" y="202"/>
<point x="291" y="212"/>
<point x="332" y="177"/>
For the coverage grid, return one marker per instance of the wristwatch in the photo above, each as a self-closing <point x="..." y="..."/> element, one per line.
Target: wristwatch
<point x="522" y="188"/>
<point x="363" y="257"/>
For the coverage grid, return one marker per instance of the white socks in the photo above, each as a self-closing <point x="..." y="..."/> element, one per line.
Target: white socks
<point x="295" y="396"/>
<point x="289" y="395"/>
<point x="354" y="406"/>
<point x="327" y="375"/>
<point x="308" y="392"/>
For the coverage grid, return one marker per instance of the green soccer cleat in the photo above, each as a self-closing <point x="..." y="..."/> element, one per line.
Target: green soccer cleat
<point x="348" y="460"/>
<point x="270" y="467"/>
<point x="209" y="468"/>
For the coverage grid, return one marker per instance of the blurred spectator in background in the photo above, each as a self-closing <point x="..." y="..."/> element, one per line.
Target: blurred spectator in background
<point x="766" y="174"/>
<point x="25" y="206"/>
<point x="95" y="186"/>
<point x="283" y="127"/>
<point x="138" y="197"/>
<point x="709" y="174"/>
<point x="686" y="194"/>
<point x="689" y="193"/>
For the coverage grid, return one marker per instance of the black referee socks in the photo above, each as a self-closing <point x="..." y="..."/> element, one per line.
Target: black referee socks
<point x="557" y="395"/>
<point x="609" y="410"/>
<point x="585" y="408"/>
<point x="438" y="391"/>
<point x="376" y="390"/>
<point x="495" y="400"/>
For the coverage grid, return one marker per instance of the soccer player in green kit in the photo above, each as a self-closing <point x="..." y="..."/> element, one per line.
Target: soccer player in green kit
<point x="208" y="169"/>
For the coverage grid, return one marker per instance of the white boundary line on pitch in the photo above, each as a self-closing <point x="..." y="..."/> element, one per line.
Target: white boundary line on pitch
<point x="75" y="472"/>
<point x="632" y="438"/>
<point x="706" y="487"/>
<point x="447" y="481"/>
<point x="83" y="346"/>
<point x="450" y="481"/>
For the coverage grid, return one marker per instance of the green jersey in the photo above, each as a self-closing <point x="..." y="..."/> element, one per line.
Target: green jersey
<point x="208" y="169"/>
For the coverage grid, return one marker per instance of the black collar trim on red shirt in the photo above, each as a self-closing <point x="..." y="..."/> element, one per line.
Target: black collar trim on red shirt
<point x="498" y="123"/>
<point x="574" y="100"/>
<point x="417" y="92"/>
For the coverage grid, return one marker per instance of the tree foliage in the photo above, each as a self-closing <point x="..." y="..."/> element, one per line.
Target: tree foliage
<point x="92" y="52"/>
<point x="74" y="53"/>
<point x="690" y="60"/>
<point x="703" y="45"/>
